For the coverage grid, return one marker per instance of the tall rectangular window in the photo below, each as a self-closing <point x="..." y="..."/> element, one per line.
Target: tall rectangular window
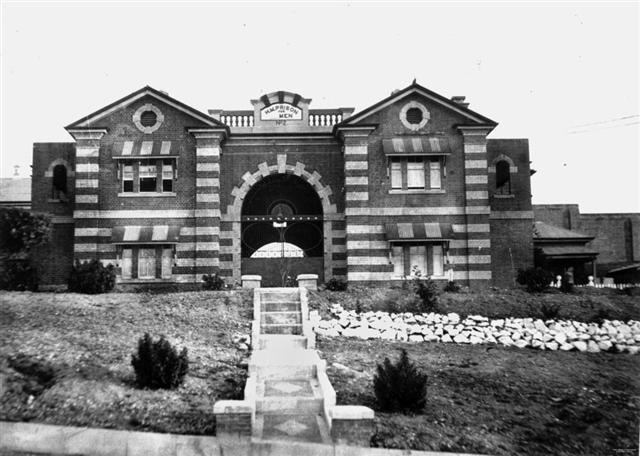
<point x="167" y="175"/>
<point x="397" y="257"/>
<point x="418" y="259"/>
<point x="147" y="263"/>
<point x="434" y="174"/>
<point x="415" y="173"/>
<point x="127" y="177"/>
<point x="127" y="263"/>
<point x="396" y="174"/>
<point x="167" y="263"/>
<point x="148" y="176"/>
<point x="438" y="263"/>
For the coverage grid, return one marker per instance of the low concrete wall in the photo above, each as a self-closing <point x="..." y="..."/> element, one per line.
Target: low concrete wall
<point x="67" y="440"/>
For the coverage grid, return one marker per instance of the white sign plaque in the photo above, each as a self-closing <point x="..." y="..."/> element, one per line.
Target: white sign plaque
<point x="281" y="111"/>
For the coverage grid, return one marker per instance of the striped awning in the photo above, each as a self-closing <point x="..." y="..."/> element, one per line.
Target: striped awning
<point x="415" y="145"/>
<point x="158" y="234"/>
<point x="412" y="232"/>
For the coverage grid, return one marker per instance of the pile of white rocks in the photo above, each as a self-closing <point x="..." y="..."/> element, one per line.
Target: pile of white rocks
<point x="519" y="332"/>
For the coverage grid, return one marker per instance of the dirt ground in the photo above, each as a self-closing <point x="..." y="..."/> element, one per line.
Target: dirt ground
<point x="66" y="358"/>
<point x="499" y="400"/>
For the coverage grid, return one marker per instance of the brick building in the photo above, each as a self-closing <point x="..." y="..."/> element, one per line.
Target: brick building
<point x="168" y="193"/>
<point x="614" y="236"/>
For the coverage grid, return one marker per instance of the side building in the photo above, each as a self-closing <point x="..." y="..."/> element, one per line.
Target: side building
<point x="168" y="193"/>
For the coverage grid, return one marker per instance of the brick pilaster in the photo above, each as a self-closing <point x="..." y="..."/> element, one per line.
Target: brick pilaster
<point x="476" y="190"/>
<point x="207" y="200"/>
<point x="356" y="187"/>
<point x="87" y="197"/>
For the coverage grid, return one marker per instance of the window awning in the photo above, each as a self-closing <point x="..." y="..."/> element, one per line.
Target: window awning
<point x="415" y="145"/>
<point x="575" y="252"/>
<point x="157" y="234"/>
<point x="413" y="232"/>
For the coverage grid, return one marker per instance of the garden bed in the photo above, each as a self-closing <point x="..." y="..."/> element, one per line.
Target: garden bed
<point x="66" y="358"/>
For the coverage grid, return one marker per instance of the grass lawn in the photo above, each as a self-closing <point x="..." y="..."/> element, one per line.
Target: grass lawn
<point x="66" y="358"/>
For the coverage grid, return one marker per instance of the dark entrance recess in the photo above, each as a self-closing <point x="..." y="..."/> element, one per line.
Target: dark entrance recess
<point x="280" y="210"/>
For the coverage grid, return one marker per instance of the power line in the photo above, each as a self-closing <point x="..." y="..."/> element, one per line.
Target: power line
<point x="603" y="127"/>
<point x="616" y="119"/>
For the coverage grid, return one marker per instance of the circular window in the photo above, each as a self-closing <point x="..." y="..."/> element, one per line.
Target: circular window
<point x="414" y="115"/>
<point x="148" y="118"/>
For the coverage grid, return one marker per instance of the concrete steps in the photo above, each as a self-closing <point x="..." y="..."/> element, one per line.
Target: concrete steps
<point x="302" y="396"/>
<point x="281" y="318"/>
<point x="281" y="342"/>
<point x="281" y="329"/>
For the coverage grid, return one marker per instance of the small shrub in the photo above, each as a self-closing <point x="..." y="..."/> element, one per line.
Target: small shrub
<point x="213" y="282"/>
<point x="335" y="284"/>
<point x="400" y="387"/>
<point x="157" y="364"/>
<point x="427" y="291"/>
<point x="549" y="310"/>
<point x="18" y="275"/>
<point x="452" y="287"/>
<point x="536" y="279"/>
<point x="21" y="230"/>
<point x="631" y="291"/>
<point x="92" y="277"/>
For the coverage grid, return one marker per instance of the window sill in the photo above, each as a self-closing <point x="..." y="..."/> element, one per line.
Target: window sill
<point x="51" y="200"/>
<point x="511" y="195"/>
<point x="146" y="194"/>
<point x="434" y="191"/>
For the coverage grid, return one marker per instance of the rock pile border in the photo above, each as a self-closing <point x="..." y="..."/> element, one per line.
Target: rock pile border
<point x="567" y="335"/>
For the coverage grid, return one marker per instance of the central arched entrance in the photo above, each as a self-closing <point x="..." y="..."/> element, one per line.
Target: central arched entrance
<point x="281" y="230"/>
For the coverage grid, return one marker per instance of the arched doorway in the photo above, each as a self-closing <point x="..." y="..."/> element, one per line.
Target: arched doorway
<point x="281" y="230"/>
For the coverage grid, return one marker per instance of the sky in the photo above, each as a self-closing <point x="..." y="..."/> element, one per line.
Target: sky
<point x="564" y="75"/>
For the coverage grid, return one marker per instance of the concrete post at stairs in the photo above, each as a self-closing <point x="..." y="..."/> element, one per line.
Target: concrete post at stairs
<point x="351" y="425"/>
<point x="251" y="281"/>
<point x="233" y="419"/>
<point x="308" y="281"/>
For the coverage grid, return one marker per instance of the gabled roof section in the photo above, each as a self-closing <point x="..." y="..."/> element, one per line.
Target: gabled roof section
<point x="474" y="118"/>
<point x="544" y="231"/>
<point x="92" y="120"/>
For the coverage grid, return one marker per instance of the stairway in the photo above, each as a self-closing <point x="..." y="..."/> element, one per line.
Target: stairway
<point x="289" y="394"/>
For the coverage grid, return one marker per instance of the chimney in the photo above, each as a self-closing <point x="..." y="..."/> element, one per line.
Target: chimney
<point x="459" y="99"/>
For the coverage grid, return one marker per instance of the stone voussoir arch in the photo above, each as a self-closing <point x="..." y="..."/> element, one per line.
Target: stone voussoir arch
<point x="502" y="157"/>
<point x="281" y="167"/>
<point x="56" y="162"/>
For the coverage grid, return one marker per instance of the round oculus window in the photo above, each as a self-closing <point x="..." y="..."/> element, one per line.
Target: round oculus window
<point x="148" y="118"/>
<point x="414" y="115"/>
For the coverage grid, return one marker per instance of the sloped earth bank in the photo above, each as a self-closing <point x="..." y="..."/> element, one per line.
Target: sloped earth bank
<point x="499" y="400"/>
<point x="584" y="304"/>
<point x="66" y="358"/>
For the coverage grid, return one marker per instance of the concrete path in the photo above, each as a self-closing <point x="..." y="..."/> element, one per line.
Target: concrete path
<point x="290" y="402"/>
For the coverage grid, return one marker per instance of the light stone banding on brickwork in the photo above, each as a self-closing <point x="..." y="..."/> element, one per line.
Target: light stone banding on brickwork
<point x="87" y="199"/>
<point x="476" y="179"/>
<point x="86" y="183"/>
<point x="472" y="164"/>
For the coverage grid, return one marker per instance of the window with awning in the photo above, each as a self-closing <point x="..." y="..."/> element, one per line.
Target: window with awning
<point x="416" y="163"/>
<point x="418" y="247"/>
<point x="156" y="234"/>
<point x="416" y="232"/>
